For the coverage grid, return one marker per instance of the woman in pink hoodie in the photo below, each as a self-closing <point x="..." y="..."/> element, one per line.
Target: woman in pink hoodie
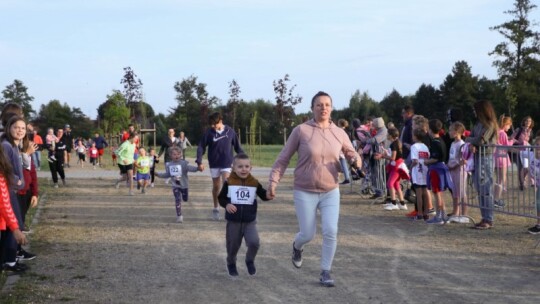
<point x="318" y="143"/>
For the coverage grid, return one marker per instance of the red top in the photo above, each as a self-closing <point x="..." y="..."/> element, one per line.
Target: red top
<point x="7" y="217"/>
<point x="30" y="181"/>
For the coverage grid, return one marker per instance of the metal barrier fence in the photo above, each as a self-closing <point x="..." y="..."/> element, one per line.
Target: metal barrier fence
<point x="504" y="180"/>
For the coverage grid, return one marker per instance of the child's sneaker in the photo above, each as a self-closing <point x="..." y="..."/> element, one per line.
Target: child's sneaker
<point x="232" y="270"/>
<point x="152" y="185"/>
<point x="180" y="219"/>
<point x="296" y="257"/>
<point x="464" y="220"/>
<point x="413" y="213"/>
<point x="215" y="214"/>
<point x="435" y="220"/>
<point x="454" y="219"/>
<point x="143" y="191"/>
<point x="402" y="206"/>
<point x="251" y="267"/>
<point x="390" y="207"/>
<point x="534" y="229"/>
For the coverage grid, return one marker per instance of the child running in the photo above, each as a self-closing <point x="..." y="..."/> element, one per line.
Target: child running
<point x="153" y="161"/>
<point x="50" y="141"/>
<point x="177" y="169"/>
<point x="419" y="154"/>
<point x="456" y="165"/>
<point x="238" y="197"/>
<point x="396" y="170"/>
<point x="81" y="152"/>
<point x="534" y="170"/>
<point x="438" y="178"/>
<point x="94" y="154"/>
<point x="142" y="165"/>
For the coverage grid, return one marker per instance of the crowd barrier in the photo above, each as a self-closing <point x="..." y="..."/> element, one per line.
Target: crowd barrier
<point x="505" y="181"/>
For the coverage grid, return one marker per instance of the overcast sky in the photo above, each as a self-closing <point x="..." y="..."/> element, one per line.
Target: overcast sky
<point x="75" y="51"/>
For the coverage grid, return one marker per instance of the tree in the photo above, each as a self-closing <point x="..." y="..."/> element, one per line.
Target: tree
<point x="392" y="105"/>
<point x="194" y="104"/>
<point x="457" y="91"/>
<point x="132" y="93"/>
<point x="55" y="115"/>
<point x="234" y="100"/>
<point x="17" y="92"/>
<point x="517" y="59"/>
<point x="285" y="102"/>
<point x="113" y="114"/>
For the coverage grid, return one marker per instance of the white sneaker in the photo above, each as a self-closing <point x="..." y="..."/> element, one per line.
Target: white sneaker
<point x="454" y="219"/>
<point x="180" y="219"/>
<point x="215" y="214"/>
<point x="167" y="180"/>
<point x="464" y="220"/>
<point x="152" y="185"/>
<point x="402" y="206"/>
<point x="390" y="207"/>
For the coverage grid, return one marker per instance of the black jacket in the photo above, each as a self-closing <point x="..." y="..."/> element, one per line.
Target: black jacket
<point x="244" y="213"/>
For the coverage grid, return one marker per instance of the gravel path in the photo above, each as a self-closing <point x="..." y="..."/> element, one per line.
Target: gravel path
<point x="95" y="244"/>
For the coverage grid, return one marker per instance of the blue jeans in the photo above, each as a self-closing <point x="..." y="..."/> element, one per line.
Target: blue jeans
<point x="483" y="182"/>
<point x="36" y="158"/>
<point x="345" y="168"/>
<point x="306" y="205"/>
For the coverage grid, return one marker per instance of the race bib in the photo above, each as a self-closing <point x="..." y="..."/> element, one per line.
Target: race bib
<point x="242" y="195"/>
<point x="145" y="163"/>
<point x="175" y="170"/>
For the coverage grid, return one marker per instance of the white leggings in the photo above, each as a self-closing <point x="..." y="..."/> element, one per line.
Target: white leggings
<point x="306" y="205"/>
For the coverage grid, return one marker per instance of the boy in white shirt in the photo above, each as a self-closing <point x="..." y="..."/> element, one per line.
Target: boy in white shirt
<point x="419" y="154"/>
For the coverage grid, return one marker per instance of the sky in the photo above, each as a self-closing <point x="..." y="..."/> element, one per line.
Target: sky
<point x="75" y="50"/>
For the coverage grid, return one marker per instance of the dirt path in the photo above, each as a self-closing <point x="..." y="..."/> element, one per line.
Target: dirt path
<point x="95" y="244"/>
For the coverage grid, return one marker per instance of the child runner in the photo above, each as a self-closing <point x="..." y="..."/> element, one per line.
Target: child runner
<point x="419" y="154"/>
<point x="113" y="155"/>
<point x="534" y="170"/>
<point x="456" y="164"/>
<point x="50" y="142"/>
<point x="177" y="169"/>
<point x="438" y="178"/>
<point x="396" y="170"/>
<point x="153" y="161"/>
<point x="126" y="153"/>
<point x="94" y="155"/>
<point x="81" y="152"/>
<point x="142" y="165"/>
<point x="238" y="197"/>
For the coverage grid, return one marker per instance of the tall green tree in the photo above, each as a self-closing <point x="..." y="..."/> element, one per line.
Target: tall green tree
<point x="457" y="91"/>
<point x="234" y="100"/>
<point x="285" y="102"/>
<point x="55" y="115"/>
<point x="193" y="106"/>
<point x="17" y="92"/>
<point x="392" y="105"/>
<point x="113" y="114"/>
<point x="517" y="59"/>
<point x="133" y="95"/>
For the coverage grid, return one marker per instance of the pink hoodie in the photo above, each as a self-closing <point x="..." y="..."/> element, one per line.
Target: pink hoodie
<point x="318" y="157"/>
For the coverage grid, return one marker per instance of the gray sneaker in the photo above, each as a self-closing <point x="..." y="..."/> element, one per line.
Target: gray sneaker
<point x="56" y="185"/>
<point x="215" y="214"/>
<point x="326" y="279"/>
<point x="296" y="257"/>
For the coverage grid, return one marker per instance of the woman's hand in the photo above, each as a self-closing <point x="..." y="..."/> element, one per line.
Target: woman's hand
<point x="33" y="201"/>
<point x="271" y="193"/>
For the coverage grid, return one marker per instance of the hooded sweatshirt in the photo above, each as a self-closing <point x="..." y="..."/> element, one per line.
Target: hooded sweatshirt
<point x="318" y="156"/>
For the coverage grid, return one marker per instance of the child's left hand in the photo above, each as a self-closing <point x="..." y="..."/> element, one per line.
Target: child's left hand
<point x="230" y="208"/>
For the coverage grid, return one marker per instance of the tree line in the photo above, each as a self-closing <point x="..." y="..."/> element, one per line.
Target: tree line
<point x="515" y="93"/>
